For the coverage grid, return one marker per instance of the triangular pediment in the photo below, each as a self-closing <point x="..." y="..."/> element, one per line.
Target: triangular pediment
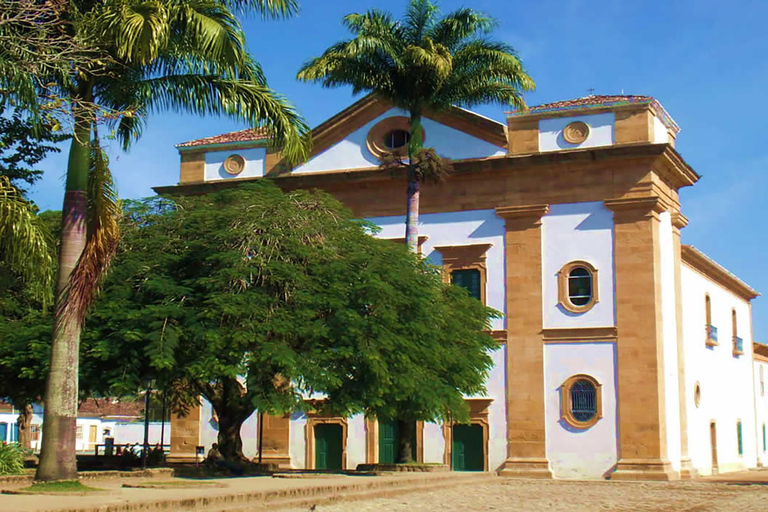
<point x="343" y="142"/>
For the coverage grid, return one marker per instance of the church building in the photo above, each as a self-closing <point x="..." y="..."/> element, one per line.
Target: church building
<point x="625" y="354"/>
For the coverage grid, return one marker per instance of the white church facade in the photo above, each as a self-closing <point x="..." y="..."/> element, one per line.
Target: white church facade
<point x="624" y="353"/>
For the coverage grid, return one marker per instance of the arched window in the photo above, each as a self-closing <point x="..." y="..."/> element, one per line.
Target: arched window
<point x="581" y="401"/>
<point x="577" y="287"/>
<point x="738" y="343"/>
<point x="711" y="329"/>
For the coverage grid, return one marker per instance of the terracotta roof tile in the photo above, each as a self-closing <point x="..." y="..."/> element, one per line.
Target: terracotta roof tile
<point x="597" y="101"/>
<point x="591" y="101"/>
<point x="110" y="407"/>
<point x="228" y="138"/>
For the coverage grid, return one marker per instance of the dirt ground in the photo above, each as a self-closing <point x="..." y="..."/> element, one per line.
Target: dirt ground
<point x="571" y="496"/>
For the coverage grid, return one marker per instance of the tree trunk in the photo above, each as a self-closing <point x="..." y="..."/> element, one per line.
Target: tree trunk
<point x="230" y="442"/>
<point x="405" y="441"/>
<point x="24" y="422"/>
<point x="57" y="457"/>
<point x="412" y="210"/>
<point x="233" y="409"/>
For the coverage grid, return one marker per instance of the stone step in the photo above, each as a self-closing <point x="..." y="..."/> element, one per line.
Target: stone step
<point x="307" y="497"/>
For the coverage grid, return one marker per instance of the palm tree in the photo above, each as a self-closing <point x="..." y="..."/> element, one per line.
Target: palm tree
<point x="25" y="244"/>
<point x="155" y="55"/>
<point x="422" y="63"/>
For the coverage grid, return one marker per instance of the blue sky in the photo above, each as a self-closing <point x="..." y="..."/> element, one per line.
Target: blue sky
<point x="705" y="61"/>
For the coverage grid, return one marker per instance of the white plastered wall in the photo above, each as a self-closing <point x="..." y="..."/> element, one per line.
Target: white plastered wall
<point x="600" y="132"/>
<point x="669" y="337"/>
<point x="352" y="152"/>
<point x="660" y="133"/>
<point x="761" y="410"/>
<point x="580" y="453"/>
<point x="571" y="232"/>
<point x="726" y="381"/>
<point x="254" y="164"/>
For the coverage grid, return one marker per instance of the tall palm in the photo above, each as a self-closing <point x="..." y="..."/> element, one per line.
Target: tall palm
<point x="422" y="63"/>
<point x="158" y="55"/>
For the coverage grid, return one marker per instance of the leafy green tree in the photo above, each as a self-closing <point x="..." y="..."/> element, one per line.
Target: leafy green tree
<point x="24" y="143"/>
<point x="422" y="63"/>
<point x="25" y="328"/>
<point x="146" y="56"/>
<point x="253" y="299"/>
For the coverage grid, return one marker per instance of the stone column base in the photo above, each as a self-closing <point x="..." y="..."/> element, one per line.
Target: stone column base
<point x="182" y="458"/>
<point x="644" y="469"/>
<point x="282" y="461"/>
<point x="526" y="468"/>
<point x="687" y="471"/>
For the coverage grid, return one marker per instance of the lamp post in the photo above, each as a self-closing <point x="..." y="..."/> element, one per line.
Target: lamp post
<point x="145" y="454"/>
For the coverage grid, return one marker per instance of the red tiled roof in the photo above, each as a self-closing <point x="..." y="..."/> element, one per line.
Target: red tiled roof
<point x="110" y="407"/>
<point x="228" y="138"/>
<point x="594" y="99"/>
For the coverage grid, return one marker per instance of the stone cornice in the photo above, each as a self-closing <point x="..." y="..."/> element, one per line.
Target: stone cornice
<point x="717" y="273"/>
<point x="522" y="212"/>
<point x="508" y="163"/>
<point x="679" y="220"/>
<point x="636" y="205"/>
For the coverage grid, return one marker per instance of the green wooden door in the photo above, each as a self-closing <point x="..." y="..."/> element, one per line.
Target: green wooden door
<point x="388" y="440"/>
<point x="467" y="449"/>
<point x="328" y="446"/>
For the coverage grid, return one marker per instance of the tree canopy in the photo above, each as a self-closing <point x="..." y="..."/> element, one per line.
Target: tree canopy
<point x="423" y="62"/>
<point x="256" y="299"/>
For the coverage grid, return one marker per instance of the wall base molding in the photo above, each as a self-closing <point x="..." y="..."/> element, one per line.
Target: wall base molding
<point x="687" y="471"/>
<point x="644" y="469"/>
<point x="526" y="468"/>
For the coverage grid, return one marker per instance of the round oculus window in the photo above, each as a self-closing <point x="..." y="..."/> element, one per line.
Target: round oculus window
<point x="396" y="139"/>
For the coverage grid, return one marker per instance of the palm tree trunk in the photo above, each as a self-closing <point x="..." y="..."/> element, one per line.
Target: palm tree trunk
<point x="412" y="210"/>
<point x="57" y="458"/>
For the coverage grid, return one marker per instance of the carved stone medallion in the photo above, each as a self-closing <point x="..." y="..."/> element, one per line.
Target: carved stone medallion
<point x="576" y="132"/>
<point x="234" y="164"/>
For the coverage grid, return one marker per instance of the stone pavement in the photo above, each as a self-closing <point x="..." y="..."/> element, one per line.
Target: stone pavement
<point x="236" y="494"/>
<point x="410" y="492"/>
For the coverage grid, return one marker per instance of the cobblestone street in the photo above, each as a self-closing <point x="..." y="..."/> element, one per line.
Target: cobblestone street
<point x="571" y="496"/>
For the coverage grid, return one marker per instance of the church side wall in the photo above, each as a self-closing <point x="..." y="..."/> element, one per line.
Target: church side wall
<point x="725" y="381"/>
<point x="761" y="410"/>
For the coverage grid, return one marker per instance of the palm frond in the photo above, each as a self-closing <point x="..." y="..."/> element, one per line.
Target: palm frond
<point x="267" y="8"/>
<point x="25" y="244"/>
<point x="241" y="100"/>
<point x="420" y="17"/>
<point x="103" y="235"/>
<point x="460" y="25"/>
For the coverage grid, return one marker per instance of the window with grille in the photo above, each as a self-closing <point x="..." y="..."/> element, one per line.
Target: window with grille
<point x="738" y="434"/>
<point x="581" y="401"/>
<point x="470" y="280"/>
